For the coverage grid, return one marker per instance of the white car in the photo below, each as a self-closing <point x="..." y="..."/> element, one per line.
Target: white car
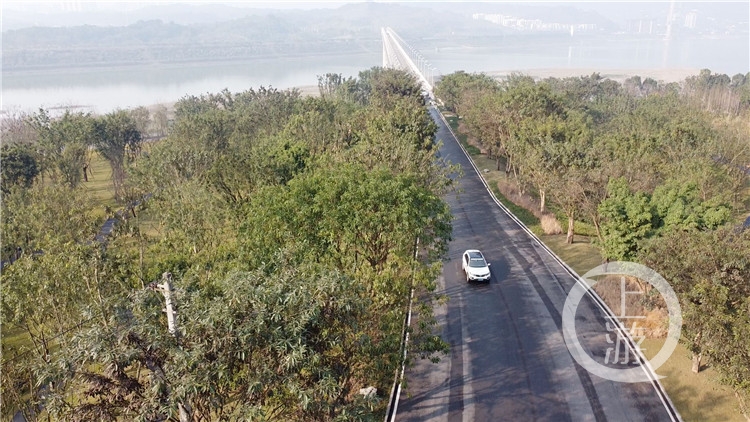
<point x="475" y="266"/>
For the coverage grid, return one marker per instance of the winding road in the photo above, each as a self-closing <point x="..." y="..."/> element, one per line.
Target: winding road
<point x="508" y="360"/>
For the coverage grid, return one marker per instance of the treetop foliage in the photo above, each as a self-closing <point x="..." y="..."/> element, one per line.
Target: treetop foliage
<point x="290" y="226"/>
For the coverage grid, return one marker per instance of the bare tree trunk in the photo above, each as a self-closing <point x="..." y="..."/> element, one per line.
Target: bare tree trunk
<point x="742" y="405"/>
<point x="185" y="414"/>
<point x="571" y="231"/>
<point x="696" y="362"/>
<point x="696" y="355"/>
<point x="118" y="177"/>
<point x="542" y="200"/>
<point x="598" y="228"/>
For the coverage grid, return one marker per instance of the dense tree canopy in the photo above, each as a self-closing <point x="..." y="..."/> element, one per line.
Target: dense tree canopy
<point x="19" y="167"/>
<point x="294" y="229"/>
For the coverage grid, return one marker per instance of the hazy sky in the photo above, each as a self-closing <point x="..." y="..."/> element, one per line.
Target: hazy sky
<point x="22" y="13"/>
<point x="73" y="5"/>
<point x="47" y="6"/>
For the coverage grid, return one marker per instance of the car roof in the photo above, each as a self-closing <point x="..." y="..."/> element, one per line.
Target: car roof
<point x="474" y="253"/>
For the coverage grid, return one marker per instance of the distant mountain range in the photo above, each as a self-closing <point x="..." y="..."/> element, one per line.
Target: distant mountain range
<point x="91" y="34"/>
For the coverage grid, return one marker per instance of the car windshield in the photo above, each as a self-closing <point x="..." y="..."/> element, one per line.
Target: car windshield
<point x="477" y="262"/>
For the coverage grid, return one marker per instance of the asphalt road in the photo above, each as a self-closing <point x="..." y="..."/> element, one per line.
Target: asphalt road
<point x="508" y="359"/>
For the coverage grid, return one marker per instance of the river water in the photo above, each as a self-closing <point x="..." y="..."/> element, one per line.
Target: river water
<point x="102" y="90"/>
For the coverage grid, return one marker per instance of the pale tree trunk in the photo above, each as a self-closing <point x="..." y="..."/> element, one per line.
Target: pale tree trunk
<point x="542" y="200"/>
<point x="518" y="181"/>
<point x="598" y="228"/>
<point x="571" y="231"/>
<point x="185" y="414"/>
<point x="696" y="355"/>
<point x="696" y="362"/>
<point x="742" y="405"/>
<point x="118" y="178"/>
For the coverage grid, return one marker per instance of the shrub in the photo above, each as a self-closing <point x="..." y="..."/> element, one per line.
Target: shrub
<point x="550" y="225"/>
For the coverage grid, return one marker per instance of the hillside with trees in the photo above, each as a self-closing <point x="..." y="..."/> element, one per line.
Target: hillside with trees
<point x="293" y="229"/>
<point x="347" y="30"/>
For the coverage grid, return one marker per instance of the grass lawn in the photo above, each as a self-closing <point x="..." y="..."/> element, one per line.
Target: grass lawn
<point x="100" y="185"/>
<point x="102" y="191"/>
<point x="581" y="256"/>
<point x="698" y="397"/>
<point x="15" y="339"/>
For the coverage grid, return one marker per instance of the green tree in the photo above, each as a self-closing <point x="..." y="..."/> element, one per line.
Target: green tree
<point x="286" y="345"/>
<point x="627" y="219"/>
<point x="142" y="118"/>
<point x="351" y="217"/>
<point x="568" y="161"/>
<point x="679" y="206"/>
<point x="326" y="126"/>
<point x="484" y="118"/>
<point x="596" y="96"/>
<point x="28" y="213"/>
<point x="161" y="120"/>
<point x="350" y="191"/>
<point x="63" y="145"/>
<point x="709" y="271"/>
<point x="117" y="139"/>
<point x="523" y="103"/>
<point x="334" y="85"/>
<point x="459" y="89"/>
<point x="408" y="122"/>
<point x="388" y="86"/>
<point x="19" y="167"/>
<point x="48" y="298"/>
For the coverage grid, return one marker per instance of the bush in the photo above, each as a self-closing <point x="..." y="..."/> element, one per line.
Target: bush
<point x="550" y="224"/>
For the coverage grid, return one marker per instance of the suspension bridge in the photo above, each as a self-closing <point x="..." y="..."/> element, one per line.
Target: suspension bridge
<point x="398" y="54"/>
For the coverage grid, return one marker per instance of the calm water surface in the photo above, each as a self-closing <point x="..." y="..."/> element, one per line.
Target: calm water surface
<point x="103" y="90"/>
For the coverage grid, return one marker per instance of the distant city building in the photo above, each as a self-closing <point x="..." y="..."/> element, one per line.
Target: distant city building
<point x="690" y="19"/>
<point x="641" y="26"/>
<point x="522" y="24"/>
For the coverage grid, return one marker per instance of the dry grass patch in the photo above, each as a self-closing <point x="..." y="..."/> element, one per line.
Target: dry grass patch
<point x="647" y="305"/>
<point x="550" y="225"/>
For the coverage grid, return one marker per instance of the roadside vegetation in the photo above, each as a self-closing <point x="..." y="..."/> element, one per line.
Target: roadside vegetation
<point x="639" y="171"/>
<point x="294" y="229"/>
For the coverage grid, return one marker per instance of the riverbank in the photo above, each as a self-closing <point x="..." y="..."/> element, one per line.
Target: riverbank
<point x="619" y="75"/>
